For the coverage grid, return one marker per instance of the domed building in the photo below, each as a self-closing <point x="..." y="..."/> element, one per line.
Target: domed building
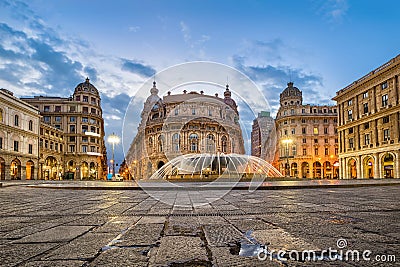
<point x="307" y="140"/>
<point x="71" y="140"/>
<point x="187" y="123"/>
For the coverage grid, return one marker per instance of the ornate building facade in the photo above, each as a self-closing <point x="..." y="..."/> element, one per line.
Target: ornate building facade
<point x="307" y="140"/>
<point x="185" y="123"/>
<point x="369" y="124"/>
<point x="19" y="135"/>
<point x="263" y="126"/>
<point x="72" y="143"/>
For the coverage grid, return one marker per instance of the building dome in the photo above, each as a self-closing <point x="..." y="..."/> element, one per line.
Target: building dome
<point x="228" y="100"/>
<point x="291" y="95"/>
<point x="86" y="87"/>
<point x="214" y="166"/>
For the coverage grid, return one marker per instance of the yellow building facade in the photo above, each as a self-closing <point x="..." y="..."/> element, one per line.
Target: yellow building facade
<point x="369" y="119"/>
<point x="307" y="141"/>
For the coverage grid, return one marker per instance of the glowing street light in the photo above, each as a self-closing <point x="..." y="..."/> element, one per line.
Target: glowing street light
<point x="113" y="139"/>
<point x="287" y="142"/>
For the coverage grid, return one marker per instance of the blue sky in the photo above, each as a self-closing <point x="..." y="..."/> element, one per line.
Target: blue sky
<point x="48" y="47"/>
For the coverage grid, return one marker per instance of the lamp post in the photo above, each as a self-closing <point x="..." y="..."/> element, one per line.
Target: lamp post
<point x="113" y="139"/>
<point x="287" y="142"/>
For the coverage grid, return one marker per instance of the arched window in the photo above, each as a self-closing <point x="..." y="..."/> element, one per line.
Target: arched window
<point x="30" y="126"/>
<point x="193" y="138"/>
<point x="16" y="120"/>
<point x="224" y="145"/>
<point x="210" y="145"/>
<point x="176" y="142"/>
<point x="161" y="143"/>
<point x="150" y="141"/>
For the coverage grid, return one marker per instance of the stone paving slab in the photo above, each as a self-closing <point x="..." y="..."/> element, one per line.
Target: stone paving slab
<point x="130" y="228"/>
<point x="182" y="250"/>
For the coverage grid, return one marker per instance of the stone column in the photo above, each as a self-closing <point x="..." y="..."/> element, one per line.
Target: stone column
<point x="23" y="172"/>
<point x="7" y="171"/>
<point x="376" y="165"/>
<point x="358" y="166"/>
<point x="397" y="164"/>
<point x="380" y="170"/>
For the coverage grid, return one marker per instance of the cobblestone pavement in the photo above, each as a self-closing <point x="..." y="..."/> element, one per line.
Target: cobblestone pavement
<point x="62" y="227"/>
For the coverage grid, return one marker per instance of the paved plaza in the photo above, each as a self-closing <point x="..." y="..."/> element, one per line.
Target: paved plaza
<point x="43" y="226"/>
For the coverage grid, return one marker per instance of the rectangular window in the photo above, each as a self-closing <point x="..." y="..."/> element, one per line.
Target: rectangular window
<point x="303" y="111"/>
<point x="51" y="145"/>
<point x="350" y="114"/>
<point x="325" y="120"/>
<point x="85" y="119"/>
<point x="304" y="151"/>
<point x="92" y="149"/>
<point x="366" y="139"/>
<point x="303" y="120"/>
<point x="336" y="140"/>
<point x="351" y="142"/>
<point x="85" y="99"/>
<point x="304" y="140"/>
<point x="92" y="129"/>
<point x="72" y="109"/>
<point x="384" y="100"/>
<point x="326" y="140"/>
<point x="46" y="109"/>
<point x="303" y="130"/>
<point x="61" y="148"/>
<point x="72" y="128"/>
<point x="351" y="130"/>
<point x="326" y="151"/>
<point x="71" y="148"/>
<point x="1" y="142"/>
<point x="78" y="98"/>
<point x="72" y="119"/>
<point x="336" y="150"/>
<point x="292" y="111"/>
<point x="85" y="110"/>
<point x="315" y="130"/>
<point x="366" y="125"/>
<point x="316" y="151"/>
<point x="294" y="151"/>
<point x="386" y="135"/>
<point x="57" y="109"/>
<point x="84" y="128"/>
<point x="84" y="139"/>
<point x="326" y="130"/>
<point x="209" y="112"/>
<point x="315" y="141"/>
<point x="46" y="119"/>
<point x="46" y="144"/>
<point x="293" y="131"/>
<point x="72" y="138"/>
<point x="93" y="121"/>
<point x="365" y="107"/>
<point x="16" y="146"/>
<point x="57" y="126"/>
<point x="84" y="149"/>
<point x="92" y="140"/>
<point x="93" y="101"/>
<point x="193" y="111"/>
<point x="365" y="95"/>
<point x="176" y="111"/>
<point x="384" y="85"/>
<point x="56" y="146"/>
<point x="93" y="110"/>
<point x="385" y="119"/>
<point x="350" y="102"/>
<point x="335" y="120"/>
<point x="57" y="119"/>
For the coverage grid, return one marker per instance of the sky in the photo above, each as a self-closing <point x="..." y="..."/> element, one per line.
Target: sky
<point x="48" y="47"/>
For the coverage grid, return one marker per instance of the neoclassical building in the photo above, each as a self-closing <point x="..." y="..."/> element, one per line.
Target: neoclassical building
<point x="369" y="124"/>
<point x="177" y="124"/>
<point x="307" y="140"/>
<point x="72" y="136"/>
<point x="19" y="135"/>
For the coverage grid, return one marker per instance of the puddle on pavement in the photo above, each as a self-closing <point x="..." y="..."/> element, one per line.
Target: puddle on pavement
<point x="250" y="247"/>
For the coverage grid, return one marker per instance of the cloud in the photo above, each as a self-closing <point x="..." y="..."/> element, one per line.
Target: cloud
<point x="333" y="10"/>
<point x="91" y="73"/>
<point x="136" y="67"/>
<point x="185" y="32"/>
<point x="133" y="28"/>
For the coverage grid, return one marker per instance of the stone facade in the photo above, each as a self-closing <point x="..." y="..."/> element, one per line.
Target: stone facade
<point x="19" y="136"/>
<point x="181" y="124"/>
<point x="263" y="126"/>
<point x="79" y="120"/>
<point x="369" y="123"/>
<point x="307" y="141"/>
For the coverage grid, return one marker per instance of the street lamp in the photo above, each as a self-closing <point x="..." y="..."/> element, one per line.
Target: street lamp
<point x="113" y="139"/>
<point x="287" y="142"/>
